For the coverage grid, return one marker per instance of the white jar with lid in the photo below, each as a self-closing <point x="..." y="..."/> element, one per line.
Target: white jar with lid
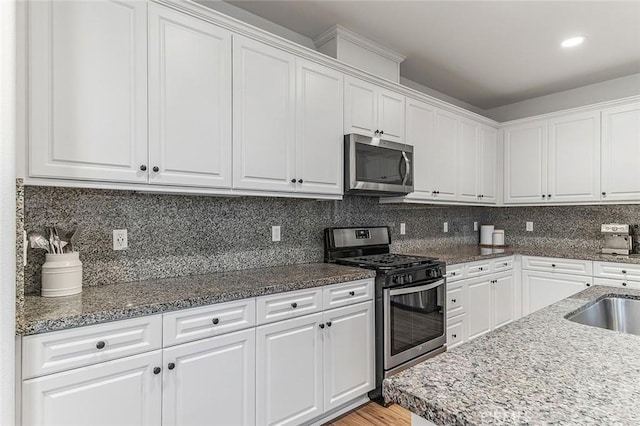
<point x="61" y="275"/>
<point x="497" y="237"/>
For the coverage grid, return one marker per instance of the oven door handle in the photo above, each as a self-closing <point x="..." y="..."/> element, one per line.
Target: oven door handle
<point x="407" y="290"/>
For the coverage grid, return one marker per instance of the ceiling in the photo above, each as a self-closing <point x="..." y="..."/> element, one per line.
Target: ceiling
<point x="486" y="53"/>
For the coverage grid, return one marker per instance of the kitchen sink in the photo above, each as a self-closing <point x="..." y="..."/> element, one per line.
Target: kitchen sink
<point x="612" y="313"/>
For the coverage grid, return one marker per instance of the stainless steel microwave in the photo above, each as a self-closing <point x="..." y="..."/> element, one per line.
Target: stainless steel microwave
<point x="377" y="167"/>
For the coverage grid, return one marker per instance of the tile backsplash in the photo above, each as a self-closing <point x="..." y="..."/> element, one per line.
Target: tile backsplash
<point x="174" y="235"/>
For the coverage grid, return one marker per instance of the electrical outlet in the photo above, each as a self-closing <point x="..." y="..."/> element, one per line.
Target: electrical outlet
<point x="445" y="228"/>
<point x="275" y="233"/>
<point x="475" y="226"/>
<point x="530" y="226"/>
<point x="120" y="239"/>
<point x="403" y="228"/>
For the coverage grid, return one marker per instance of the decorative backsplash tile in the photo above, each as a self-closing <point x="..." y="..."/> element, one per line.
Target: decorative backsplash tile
<point x="175" y="235"/>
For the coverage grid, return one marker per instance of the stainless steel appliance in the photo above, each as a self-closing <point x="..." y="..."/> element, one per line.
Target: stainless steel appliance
<point x="374" y="166"/>
<point x="410" y="302"/>
<point x="617" y="239"/>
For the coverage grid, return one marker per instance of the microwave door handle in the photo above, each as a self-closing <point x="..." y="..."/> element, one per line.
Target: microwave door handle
<point x="408" y="169"/>
<point x="407" y="290"/>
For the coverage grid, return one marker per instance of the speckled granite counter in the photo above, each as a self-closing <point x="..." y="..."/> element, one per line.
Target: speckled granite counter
<point x="471" y="253"/>
<point x="98" y="304"/>
<point x="541" y="369"/>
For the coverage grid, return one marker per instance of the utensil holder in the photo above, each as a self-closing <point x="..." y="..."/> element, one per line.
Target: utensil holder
<point x="61" y="275"/>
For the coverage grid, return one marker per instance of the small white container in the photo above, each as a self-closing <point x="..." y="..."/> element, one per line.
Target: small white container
<point x="485" y="234"/>
<point x="61" y="275"/>
<point x="498" y="237"/>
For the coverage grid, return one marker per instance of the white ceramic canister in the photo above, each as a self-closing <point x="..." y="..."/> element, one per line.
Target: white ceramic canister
<point x="498" y="237"/>
<point x="61" y="275"/>
<point x="486" y="232"/>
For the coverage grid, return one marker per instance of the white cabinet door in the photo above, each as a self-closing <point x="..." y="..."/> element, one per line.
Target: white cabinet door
<point x="289" y="371"/>
<point x="319" y="137"/>
<point x="621" y="153"/>
<point x="189" y="100"/>
<point x="391" y="115"/>
<point x="360" y="107"/>
<point x="444" y="172"/>
<point x="122" y="392"/>
<point x="210" y="381"/>
<point x="420" y="118"/>
<point x="525" y="162"/>
<point x="541" y="289"/>
<point x="348" y="353"/>
<point x="263" y="116"/>
<point x="479" y="309"/>
<point x="574" y="158"/>
<point x="488" y="163"/>
<point x="504" y="301"/>
<point x="88" y="90"/>
<point x="469" y="161"/>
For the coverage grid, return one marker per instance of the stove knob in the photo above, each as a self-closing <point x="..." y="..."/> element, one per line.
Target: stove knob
<point x="410" y="278"/>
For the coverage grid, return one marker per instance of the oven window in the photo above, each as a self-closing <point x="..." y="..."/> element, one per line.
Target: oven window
<point x="380" y="165"/>
<point x="416" y="318"/>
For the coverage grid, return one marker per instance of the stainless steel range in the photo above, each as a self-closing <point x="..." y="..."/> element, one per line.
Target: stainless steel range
<point x="410" y="311"/>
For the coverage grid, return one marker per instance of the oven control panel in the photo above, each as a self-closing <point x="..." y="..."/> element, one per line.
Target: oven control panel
<point x="416" y="275"/>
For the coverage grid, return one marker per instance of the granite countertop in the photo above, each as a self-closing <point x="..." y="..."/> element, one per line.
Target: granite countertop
<point x="97" y="304"/>
<point x="471" y="253"/>
<point x="541" y="369"/>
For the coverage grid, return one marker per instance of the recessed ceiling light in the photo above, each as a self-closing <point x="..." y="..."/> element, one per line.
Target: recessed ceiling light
<point x="573" y="41"/>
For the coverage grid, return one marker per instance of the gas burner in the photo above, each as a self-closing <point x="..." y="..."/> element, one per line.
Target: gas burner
<point x="386" y="261"/>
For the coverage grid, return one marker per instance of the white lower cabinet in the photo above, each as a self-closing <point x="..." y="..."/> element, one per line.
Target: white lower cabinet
<point x="310" y="365"/>
<point x="541" y="289"/>
<point x="348" y="356"/>
<point x="210" y="380"/>
<point x="491" y="303"/>
<point x="289" y="371"/>
<point x="122" y="392"/>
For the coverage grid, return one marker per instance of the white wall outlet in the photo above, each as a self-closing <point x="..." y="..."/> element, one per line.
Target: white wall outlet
<point x="275" y="233"/>
<point x="475" y="226"/>
<point x="530" y="226"/>
<point x="445" y="228"/>
<point x="120" y="239"/>
<point x="403" y="228"/>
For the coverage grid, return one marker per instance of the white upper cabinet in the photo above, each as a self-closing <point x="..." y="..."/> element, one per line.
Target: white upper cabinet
<point x="319" y="138"/>
<point x="488" y="164"/>
<point x="574" y="158"/>
<point x="621" y="153"/>
<point x="88" y="90"/>
<point x="525" y="165"/>
<point x="189" y="100"/>
<point x="369" y="109"/>
<point x="468" y="182"/>
<point x="443" y="167"/>
<point x="263" y="116"/>
<point x="555" y="160"/>
<point x="420" y="122"/>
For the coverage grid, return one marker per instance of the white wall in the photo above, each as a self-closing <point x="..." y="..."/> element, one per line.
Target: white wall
<point x="7" y="212"/>
<point x="599" y="92"/>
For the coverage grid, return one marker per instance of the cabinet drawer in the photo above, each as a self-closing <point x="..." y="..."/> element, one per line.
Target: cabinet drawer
<point x="478" y="268"/>
<point x="455" y="301"/>
<point x="563" y="266"/>
<point x="502" y="264"/>
<point x="288" y="305"/>
<point x="197" y="323"/>
<point x="616" y="283"/>
<point x="455" y="331"/>
<point x="623" y="271"/>
<point x="63" y="350"/>
<point x="455" y="272"/>
<point x="347" y="293"/>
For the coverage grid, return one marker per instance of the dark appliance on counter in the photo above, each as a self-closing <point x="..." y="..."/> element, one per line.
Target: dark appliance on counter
<point x="377" y="167"/>
<point x="410" y="302"/>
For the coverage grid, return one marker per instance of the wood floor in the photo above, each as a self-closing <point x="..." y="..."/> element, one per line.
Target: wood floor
<point x="372" y="414"/>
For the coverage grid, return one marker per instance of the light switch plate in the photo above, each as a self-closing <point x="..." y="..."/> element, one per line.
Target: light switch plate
<point x="275" y="233"/>
<point x="475" y="226"/>
<point x="530" y="226"/>
<point x="403" y="228"/>
<point x="445" y="228"/>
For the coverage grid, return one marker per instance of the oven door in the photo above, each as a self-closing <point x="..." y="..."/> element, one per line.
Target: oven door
<point x="414" y="321"/>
